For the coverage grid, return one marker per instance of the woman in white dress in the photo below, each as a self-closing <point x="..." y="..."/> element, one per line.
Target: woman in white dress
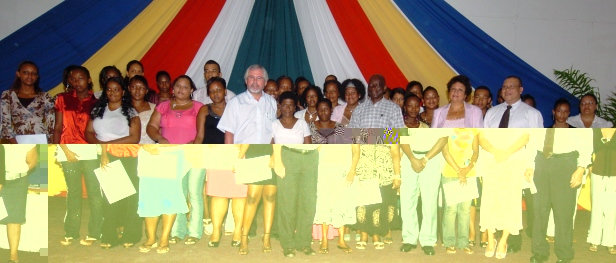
<point x="138" y="87"/>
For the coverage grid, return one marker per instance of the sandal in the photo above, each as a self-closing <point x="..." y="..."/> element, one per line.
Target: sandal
<point x="105" y="245"/>
<point x="174" y="240"/>
<point x="88" y="241"/>
<point x="324" y="250"/>
<point x="208" y="228"/>
<point x="593" y="248"/>
<point x="379" y="245"/>
<point x="471" y="243"/>
<point x="162" y="249"/>
<point x="128" y="245"/>
<point x="360" y="245"/>
<point x="66" y="241"/>
<point x="483" y="244"/>
<point x="345" y="249"/>
<point x="612" y="250"/>
<point x="266" y="249"/>
<point x="388" y="240"/>
<point x="191" y="241"/>
<point x="146" y="248"/>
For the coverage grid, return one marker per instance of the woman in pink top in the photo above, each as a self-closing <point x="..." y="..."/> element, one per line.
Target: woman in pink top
<point x="175" y="121"/>
<point x="458" y="113"/>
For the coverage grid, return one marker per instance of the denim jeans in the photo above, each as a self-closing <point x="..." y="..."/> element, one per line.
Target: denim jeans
<point x="192" y="187"/>
<point x="462" y="212"/>
<point x="72" y="219"/>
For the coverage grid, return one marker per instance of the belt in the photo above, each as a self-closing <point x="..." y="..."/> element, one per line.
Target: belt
<point x="14" y="176"/>
<point x="420" y="152"/>
<point x="574" y="154"/>
<point x="300" y="151"/>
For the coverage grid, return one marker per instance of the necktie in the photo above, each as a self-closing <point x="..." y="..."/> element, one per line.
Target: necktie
<point x="504" y="123"/>
<point x="548" y="145"/>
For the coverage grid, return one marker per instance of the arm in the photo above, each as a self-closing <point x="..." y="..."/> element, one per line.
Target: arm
<point x="355" y="150"/>
<point x="243" y="149"/>
<point x="278" y="165"/>
<point x="201" y="125"/>
<point x="57" y="131"/>
<point x="134" y="133"/>
<point x="70" y="155"/>
<point x="436" y="149"/>
<point x="91" y="134"/>
<point x="307" y="140"/>
<point x="50" y="116"/>
<point x="395" y="156"/>
<point x="153" y="128"/>
<point x="32" y="158"/>
<point x="229" y="138"/>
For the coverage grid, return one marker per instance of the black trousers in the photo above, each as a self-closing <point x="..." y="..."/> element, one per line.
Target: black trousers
<point x="552" y="178"/>
<point x="516" y="240"/>
<point x="123" y="212"/>
<point x="297" y="198"/>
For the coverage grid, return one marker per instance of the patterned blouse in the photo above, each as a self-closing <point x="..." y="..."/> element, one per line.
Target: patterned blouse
<point x="329" y="136"/>
<point x="375" y="161"/>
<point x="37" y="118"/>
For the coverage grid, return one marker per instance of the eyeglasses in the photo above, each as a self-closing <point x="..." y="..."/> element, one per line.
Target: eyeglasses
<point x="258" y="78"/>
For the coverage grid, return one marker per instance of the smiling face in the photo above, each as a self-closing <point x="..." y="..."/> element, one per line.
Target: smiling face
<point x="331" y="92"/>
<point x="482" y="99"/>
<point x="375" y="89"/>
<point x="217" y="92"/>
<point x="138" y="90"/>
<point x="456" y="92"/>
<point x="431" y="99"/>
<point x="511" y="90"/>
<point x="28" y="74"/>
<point x="114" y="92"/>
<point x="134" y="69"/>
<point x="561" y="113"/>
<point x="182" y="89"/>
<point x="351" y="96"/>
<point x="79" y="81"/>
<point x="411" y="107"/>
<point x="324" y="111"/>
<point x="588" y="105"/>
<point x="287" y="107"/>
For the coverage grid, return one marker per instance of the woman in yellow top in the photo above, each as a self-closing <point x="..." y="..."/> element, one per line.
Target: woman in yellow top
<point x="461" y="153"/>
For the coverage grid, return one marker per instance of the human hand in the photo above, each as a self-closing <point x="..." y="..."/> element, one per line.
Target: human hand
<point x="576" y="177"/>
<point x="104" y="162"/>
<point x="350" y="178"/>
<point x="397" y="183"/>
<point x="528" y="174"/>
<point x="462" y="180"/>
<point x="279" y="169"/>
<point x="151" y="148"/>
<point x="417" y="165"/>
<point x="163" y="141"/>
<point x="71" y="156"/>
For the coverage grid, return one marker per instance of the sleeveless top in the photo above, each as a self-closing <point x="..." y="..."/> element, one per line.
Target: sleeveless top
<point x="212" y="134"/>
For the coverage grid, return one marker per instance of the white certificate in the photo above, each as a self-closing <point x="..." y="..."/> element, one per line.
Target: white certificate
<point x="115" y="182"/>
<point x="83" y="152"/>
<point x="3" y="213"/>
<point x="252" y="170"/>
<point x="368" y="192"/>
<point x="456" y="193"/>
<point x="31" y="139"/>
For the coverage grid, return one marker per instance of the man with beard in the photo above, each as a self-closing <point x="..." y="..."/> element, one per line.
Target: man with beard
<point x="248" y="116"/>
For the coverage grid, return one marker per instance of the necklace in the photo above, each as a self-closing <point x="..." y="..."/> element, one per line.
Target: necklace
<point x="310" y="113"/>
<point x="175" y="103"/>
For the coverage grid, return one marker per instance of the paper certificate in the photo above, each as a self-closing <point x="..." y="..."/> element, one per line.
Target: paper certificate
<point x="115" y="182"/>
<point x="31" y="139"/>
<point x="456" y="193"/>
<point x="252" y="170"/>
<point x="368" y="192"/>
<point x="166" y="165"/>
<point x="3" y="213"/>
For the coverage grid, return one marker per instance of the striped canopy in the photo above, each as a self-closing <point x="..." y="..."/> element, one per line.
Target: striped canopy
<point x="404" y="40"/>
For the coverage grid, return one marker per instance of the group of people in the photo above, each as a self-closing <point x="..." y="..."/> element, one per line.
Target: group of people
<point x="295" y="117"/>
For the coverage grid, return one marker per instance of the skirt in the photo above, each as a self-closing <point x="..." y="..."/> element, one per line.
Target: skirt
<point x="15" y="195"/>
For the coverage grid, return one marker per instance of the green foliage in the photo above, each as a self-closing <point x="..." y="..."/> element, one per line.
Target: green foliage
<point x="578" y="84"/>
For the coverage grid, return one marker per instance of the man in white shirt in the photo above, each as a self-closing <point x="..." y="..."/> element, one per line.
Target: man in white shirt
<point x="248" y="116"/>
<point x="558" y="166"/>
<point x="210" y="70"/>
<point x="514" y="113"/>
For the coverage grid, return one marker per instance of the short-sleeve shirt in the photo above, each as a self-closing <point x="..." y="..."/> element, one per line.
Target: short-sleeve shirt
<point x="249" y="120"/>
<point x="521" y="115"/>
<point x="294" y="135"/>
<point x="178" y="126"/>
<point x="113" y="125"/>
<point x="382" y="114"/>
<point x="75" y="116"/>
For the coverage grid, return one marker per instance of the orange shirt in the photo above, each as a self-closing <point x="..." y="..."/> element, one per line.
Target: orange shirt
<point x="123" y="150"/>
<point x="75" y="116"/>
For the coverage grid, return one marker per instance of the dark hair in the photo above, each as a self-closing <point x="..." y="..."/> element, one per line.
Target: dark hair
<point x="192" y="84"/>
<point x="133" y="62"/>
<point x="279" y="79"/>
<point x="336" y="82"/>
<point x="397" y="90"/>
<point x="101" y="104"/>
<point x="331" y="75"/>
<point x="380" y="78"/>
<point x="286" y="96"/>
<point x="220" y="80"/>
<point x="529" y="97"/>
<point x="85" y="70"/>
<point x="484" y="88"/>
<point x="316" y="89"/>
<point x="411" y="96"/>
<point x="561" y="101"/>
<point x="17" y="83"/>
<point x="429" y="88"/>
<point x="212" y="62"/>
<point x="412" y="84"/>
<point x="592" y="95"/>
<point x="102" y="77"/>
<point x="326" y="101"/>
<point x="300" y="79"/>
<point x="353" y="83"/>
<point x="162" y="73"/>
<point x="464" y="81"/>
<point x="143" y="80"/>
<point x="66" y="75"/>
<point x="515" y="77"/>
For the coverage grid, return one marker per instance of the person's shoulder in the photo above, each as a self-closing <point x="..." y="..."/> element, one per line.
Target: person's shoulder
<point x="7" y="94"/>
<point x="163" y="106"/>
